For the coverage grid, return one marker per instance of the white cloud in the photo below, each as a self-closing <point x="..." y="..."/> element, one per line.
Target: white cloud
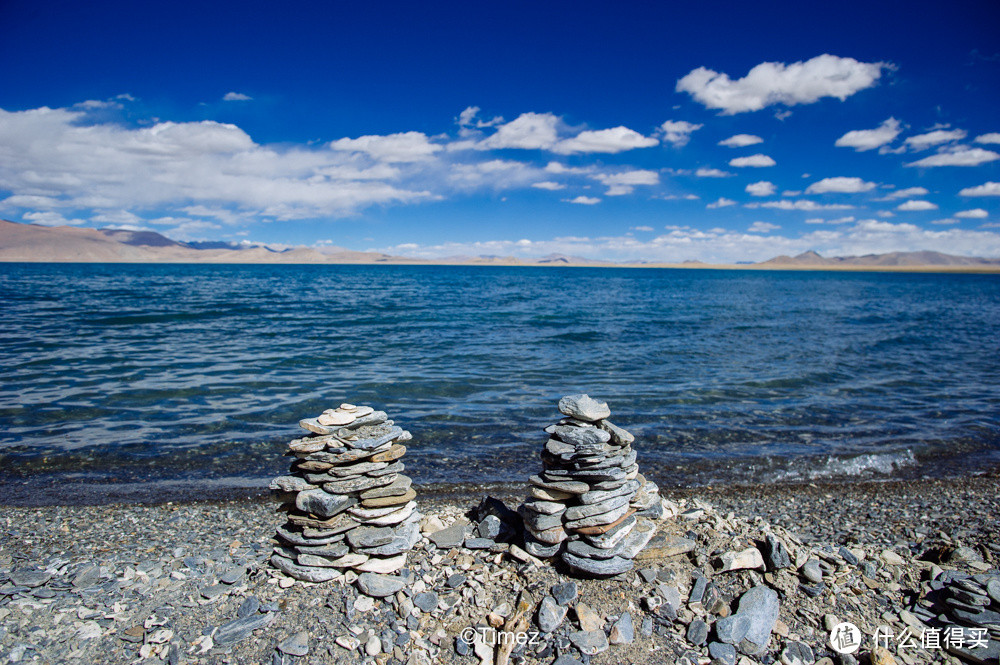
<point x="841" y="220"/>
<point x="904" y="193"/>
<point x="584" y="200"/>
<point x="840" y="184"/>
<point x="644" y="229"/>
<point x="801" y="204"/>
<point x="753" y="160"/>
<point x="959" y="156"/>
<point x="992" y="137"/>
<point x="556" y="167"/>
<point x="549" y="185"/>
<point x="529" y="131"/>
<point x="723" y="202"/>
<point x="712" y="173"/>
<point x="937" y="137"/>
<point x="777" y="83"/>
<point x="614" y="140"/>
<point x="236" y="97"/>
<point x="496" y="174"/>
<point x="468" y="118"/>
<point x="762" y="227"/>
<point x="741" y="141"/>
<point x="869" y="139"/>
<point x="392" y="148"/>
<point x="975" y="213"/>
<point x="910" y="206"/>
<point x="985" y="189"/>
<point x="624" y="182"/>
<point x="762" y="188"/>
<point x="678" y="132"/>
<point x="945" y="222"/>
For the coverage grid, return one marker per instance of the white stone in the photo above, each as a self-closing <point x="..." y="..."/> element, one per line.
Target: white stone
<point x="384" y="565"/>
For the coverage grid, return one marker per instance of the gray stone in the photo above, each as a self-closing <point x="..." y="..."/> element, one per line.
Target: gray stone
<point x="993" y="589"/>
<point x="539" y="521"/>
<point x="291" y="484"/>
<point x="581" y="435"/>
<point x="545" y="507"/>
<point x="304" y="573"/>
<point x="453" y="536"/>
<point x="637" y="538"/>
<point x="583" y="407"/>
<point x="697" y="592"/>
<point x="623" y="630"/>
<point x="574" y="513"/>
<point x="379" y="586"/>
<point x="566" y="660"/>
<point x="87" y="575"/>
<point x="812" y="572"/>
<point x="479" y="543"/>
<point x="733" y="628"/>
<point x="455" y="580"/>
<point x="598" y="496"/>
<point x="403" y="538"/>
<point x="599" y="520"/>
<point x="797" y="653"/>
<point x="619" y="436"/>
<point x="249" y="606"/>
<point x="240" y="629"/>
<point x="564" y="593"/>
<point x="775" y="553"/>
<point x="697" y="632"/>
<point x="489" y="527"/>
<point x="847" y="555"/>
<point x="724" y="654"/>
<point x="550" y="614"/>
<point x="398" y="487"/>
<point x="760" y="606"/>
<point x="332" y="550"/>
<point x="357" y="469"/>
<point x="582" y="549"/>
<point x="613" y="536"/>
<point x="299" y="537"/>
<point x="561" y="485"/>
<point x="29" y="578"/>
<point x="598" y="567"/>
<point x="233" y="575"/>
<point x="427" y="601"/>
<point x="589" y="642"/>
<point x="214" y="591"/>
<point x="296" y="645"/>
<point x="537" y="548"/>
<point x="647" y="626"/>
<point x="358" y="484"/>
<point x="393" y="434"/>
<point x="983" y="618"/>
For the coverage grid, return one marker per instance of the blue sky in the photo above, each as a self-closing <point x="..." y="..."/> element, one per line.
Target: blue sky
<point x="639" y="131"/>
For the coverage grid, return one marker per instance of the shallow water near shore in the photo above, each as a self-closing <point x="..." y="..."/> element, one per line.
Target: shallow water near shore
<point x="123" y="380"/>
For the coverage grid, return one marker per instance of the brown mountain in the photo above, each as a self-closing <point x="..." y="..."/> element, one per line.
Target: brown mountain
<point x="890" y="260"/>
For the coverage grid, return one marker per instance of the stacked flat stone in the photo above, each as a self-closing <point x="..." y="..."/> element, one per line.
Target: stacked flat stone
<point x="349" y="504"/>
<point x="590" y="503"/>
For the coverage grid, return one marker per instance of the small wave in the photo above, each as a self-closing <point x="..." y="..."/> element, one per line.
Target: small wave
<point x="884" y="464"/>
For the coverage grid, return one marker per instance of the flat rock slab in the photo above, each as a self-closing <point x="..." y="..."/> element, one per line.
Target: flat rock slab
<point x="583" y="407"/>
<point x="589" y="642"/>
<point x="452" y="536"/>
<point x="565" y="485"/>
<point x="399" y="486"/>
<point x="664" y="546"/>
<point x="637" y="539"/>
<point x="760" y="606"/>
<point x="291" y="484"/>
<point x="358" y="484"/>
<point x="240" y="629"/>
<point x="379" y="586"/>
<point x="322" y="503"/>
<point x="296" y="645"/>
<point x="598" y="567"/>
<point x="294" y="537"/>
<point x="384" y="501"/>
<point x="383" y="565"/>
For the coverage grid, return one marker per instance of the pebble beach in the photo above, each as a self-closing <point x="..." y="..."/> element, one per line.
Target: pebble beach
<point x="190" y="583"/>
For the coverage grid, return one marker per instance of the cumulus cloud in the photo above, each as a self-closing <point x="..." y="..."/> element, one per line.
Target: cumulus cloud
<point x="101" y="167"/>
<point x="959" y="156"/>
<point x="757" y="160"/>
<point x="975" y="213"/>
<point x="937" y="137"/>
<point x="549" y="185"/>
<point x="584" y="200"/>
<point x="236" y="97"/>
<point x="801" y="204"/>
<point x="529" y="131"/>
<point x="772" y="83"/>
<point x="985" y="189"/>
<point x="723" y="202"/>
<point x="402" y="147"/>
<point x="904" y="193"/>
<point x="614" y="140"/>
<point x="678" y="132"/>
<point x="712" y="173"/>
<point x="992" y="137"/>
<point x="644" y="229"/>
<point x="624" y="182"/>
<point x="869" y="139"/>
<point x="945" y="222"/>
<point x="741" y="141"/>
<point x="910" y="206"/>
<point x="469" y="118"/>
<point x="840" y="184"/>
<point x="762" y="227"/>
<point x="762" y="188"/>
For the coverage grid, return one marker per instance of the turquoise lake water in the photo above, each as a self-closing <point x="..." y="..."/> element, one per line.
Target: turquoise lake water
<point x="122" y="379"/>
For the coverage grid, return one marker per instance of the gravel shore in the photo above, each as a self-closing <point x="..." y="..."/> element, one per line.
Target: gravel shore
<point x="191" y="583"/>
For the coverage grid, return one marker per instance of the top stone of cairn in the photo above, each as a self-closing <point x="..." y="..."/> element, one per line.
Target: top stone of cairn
<point x="583" y="407"/>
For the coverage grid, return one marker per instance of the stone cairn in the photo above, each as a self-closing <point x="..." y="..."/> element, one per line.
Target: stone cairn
<point x="349" y="505"/>
<point x="589" y="503"/>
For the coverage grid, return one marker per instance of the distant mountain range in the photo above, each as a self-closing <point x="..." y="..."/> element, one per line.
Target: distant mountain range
<point x="892" y="260"/>
<point x="65" y="244"/>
